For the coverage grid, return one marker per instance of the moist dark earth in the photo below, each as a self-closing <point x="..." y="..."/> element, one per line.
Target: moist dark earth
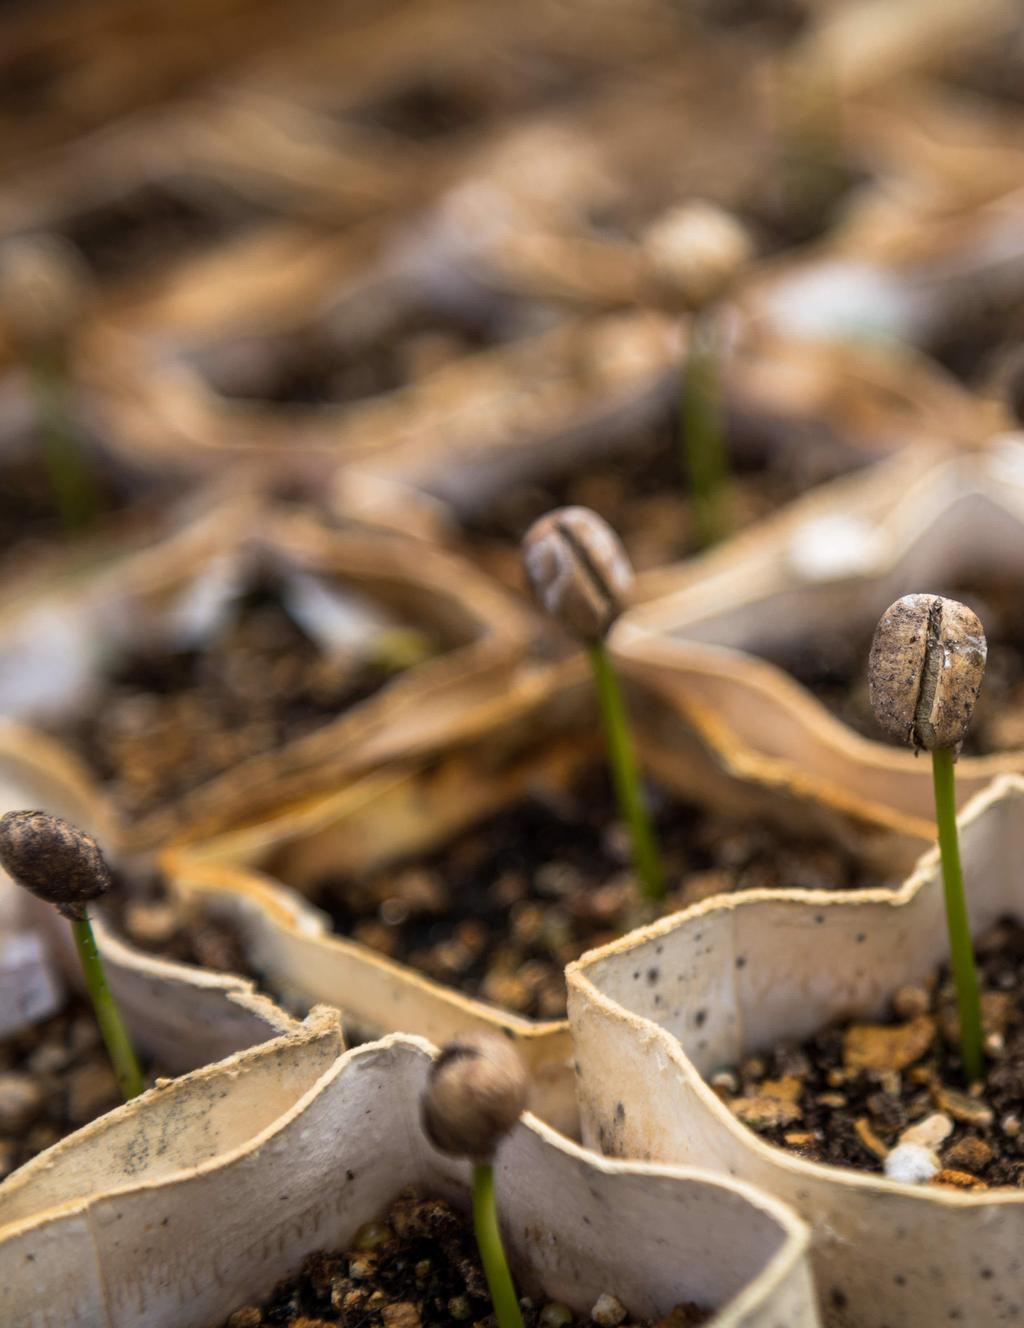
<point x="501" y="909"/>
<point x="416" y="1267"/>
<point x="504" y="907"/>
<point x="168" y="721"/>
<point x="642" y="492"/>
<point x="54" y="1078"/>
<point x="846" y="1095"/>
<point x="833" y="665"/>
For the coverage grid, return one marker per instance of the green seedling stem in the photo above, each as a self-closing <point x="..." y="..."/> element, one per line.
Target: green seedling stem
<point x="965" y="975"/>
<point x="71" y="479"/>
<point x="705" y="463"/>
<point x="622" y="758"/>
<point x="492" y="1252"/>
<point x="115" y="1035"/>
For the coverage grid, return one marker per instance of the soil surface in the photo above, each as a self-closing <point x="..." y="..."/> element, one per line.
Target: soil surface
<point x="833" y="665"/>
<point x="418" y="1267"/>
<point x="155" y="224"/>
<point x="641" y="491"/>
<point x="502" y="908"/>
<point x="849" y="1095"/>
<point x="337" y="362"/>
<point x="29" y="515"/>
<point x="54" y="1078"/>
<point x="168" y="721"/>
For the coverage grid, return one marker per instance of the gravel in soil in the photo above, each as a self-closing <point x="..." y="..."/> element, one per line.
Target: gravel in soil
<point x="54" y="1078"/>
<point x="417" y="1268"/>
<point x="168" y="721"/>
<point x="502" y="908"/>
<point x="641" y="491"/>
<point x="833" y="665"/>
<point x="853" y="1092"/>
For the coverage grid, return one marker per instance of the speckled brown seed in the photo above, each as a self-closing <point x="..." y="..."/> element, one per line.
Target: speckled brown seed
<point x="475" y="1094"/>
<point x="578" y="570"/>
<point x="54" y="859"/>
<point x="926" y="666"/>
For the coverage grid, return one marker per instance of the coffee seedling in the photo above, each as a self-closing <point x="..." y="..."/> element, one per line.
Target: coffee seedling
<point x="693" y="253"/>
<point x="474" y="1096"/>
<point x="43" y="293"/>
<point x="580" y="575"/>
<point x="927" y="663"/>
<point x="64" y="866"/>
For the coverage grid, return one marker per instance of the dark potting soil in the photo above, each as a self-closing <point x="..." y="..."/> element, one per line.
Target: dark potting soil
<point x="641" y="491"/>
<point x="418" y="1267"/>
<point x="54" y="1078"/>
<point x="141" y="910"/>
<point x="438" y="105"/>
<point x="168" y="721"/>
<point x="156" y="223"/>
<point x="500" y="910"/>
<point x="833" y="665"/>
<point x="29" y="513"/>
<point x="847" y="1095"/>
<point x="323" y="365"/>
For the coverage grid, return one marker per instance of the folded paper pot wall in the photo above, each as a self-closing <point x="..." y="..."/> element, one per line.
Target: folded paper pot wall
<point x="396" y="814"/>
<point x="655" y="1012"/>
<point x="183" y="1250"/>
<point x="832" y="564"/>
<point x="177" y="1125"/>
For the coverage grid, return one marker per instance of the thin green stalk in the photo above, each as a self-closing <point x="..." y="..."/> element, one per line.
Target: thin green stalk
<point x="622" y="758"/>
<point x="492" y="1252"/>
<point x="71" y="479"/>
<point x="961" y="950"/>
<point x="115" y="1035"/>
<point x="705" y="463"/>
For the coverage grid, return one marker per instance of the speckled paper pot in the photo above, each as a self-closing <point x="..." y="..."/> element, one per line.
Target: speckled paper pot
<point x="656" y="1012"/>
<point x="178" y="1248"/>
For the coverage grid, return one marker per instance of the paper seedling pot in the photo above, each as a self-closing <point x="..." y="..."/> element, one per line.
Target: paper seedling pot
<point x="540" y="736"/>
<point x="181" y="1016"/>
<point x="54" y="647"/>
<point x="838" y="564"/>
<point x="182" y="1250"/>
<point x="655" y="1013"/>
<point x="178" y="1124"/>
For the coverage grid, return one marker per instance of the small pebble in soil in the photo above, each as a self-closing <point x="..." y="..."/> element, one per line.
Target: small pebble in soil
<point x="889" y="1097"/>
<point x="418" y="1267"/>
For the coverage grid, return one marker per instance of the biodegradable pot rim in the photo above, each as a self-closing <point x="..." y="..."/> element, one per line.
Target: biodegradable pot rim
<point x="231" y="861"/>
<point x="751" y="572"/>
<point x="320" y="1025"/>
<point x="459" y="680"/>
<point x="794" y="1235"/>
<point x="650" y="1030"/>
